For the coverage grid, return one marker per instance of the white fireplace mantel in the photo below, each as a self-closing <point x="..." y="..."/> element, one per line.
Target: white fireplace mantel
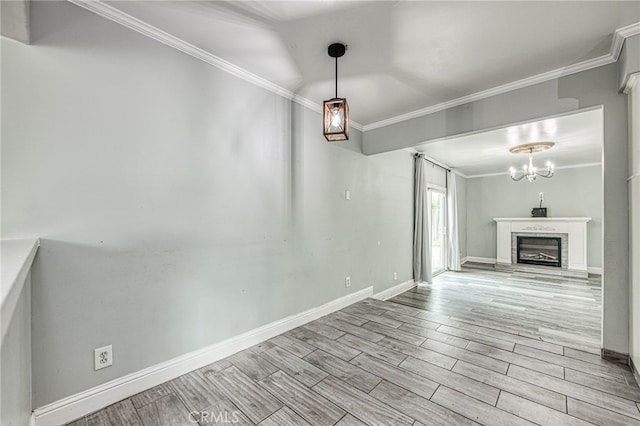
<point x="542" y="219"/>
<point x="574" y="227"/>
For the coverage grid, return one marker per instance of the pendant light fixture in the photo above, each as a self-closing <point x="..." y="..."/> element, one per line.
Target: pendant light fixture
<point x="529" y="171"/>
<point x="336" y="110"/>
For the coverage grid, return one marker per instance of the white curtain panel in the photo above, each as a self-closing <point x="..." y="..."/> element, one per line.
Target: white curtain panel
<point x="421" y="237"/>
<point x="453" y="254"/>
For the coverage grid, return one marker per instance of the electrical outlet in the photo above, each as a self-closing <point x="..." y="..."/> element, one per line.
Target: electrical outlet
<point x="347" y="195"/>
<point x="102" y="357"/>
<point x="347" y="282"/>
<point x="395" y="276"/>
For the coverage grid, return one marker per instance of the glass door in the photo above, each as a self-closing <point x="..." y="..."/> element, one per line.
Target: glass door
<point x="438" y="230"/>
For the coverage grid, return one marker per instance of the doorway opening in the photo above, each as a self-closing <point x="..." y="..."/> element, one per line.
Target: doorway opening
<point x="485" y="191"/>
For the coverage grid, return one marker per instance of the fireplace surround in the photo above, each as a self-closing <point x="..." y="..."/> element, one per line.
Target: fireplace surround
<point x="569" y="232"/>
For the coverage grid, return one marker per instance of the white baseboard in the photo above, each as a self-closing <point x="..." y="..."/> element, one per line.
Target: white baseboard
<point x="480" y="259"/>
<point x="395" y="290"/>
<point x="594" y="270"/>
<point x="86" y="402"/>
<point x="463" y="260"/>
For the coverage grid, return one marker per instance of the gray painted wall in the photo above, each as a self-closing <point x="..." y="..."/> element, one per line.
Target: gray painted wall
<point x="15" y="363"/>
<point x="177" y="205"/>
<point x="598" y="86"/>
<point x="630" y="64"/>
<point x="634" y="226"/>
<point x="571" y="192"/>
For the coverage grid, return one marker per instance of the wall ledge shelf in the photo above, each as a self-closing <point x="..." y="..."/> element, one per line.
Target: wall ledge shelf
<point x="16" y="260"/>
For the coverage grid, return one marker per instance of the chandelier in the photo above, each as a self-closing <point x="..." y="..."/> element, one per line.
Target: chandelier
<point x="529" y="171"/>
<point x="336" y="110"/>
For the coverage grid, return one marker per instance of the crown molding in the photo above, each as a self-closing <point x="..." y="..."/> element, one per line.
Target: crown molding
<point x="573" y="166"/>
<point x="113" y="14"/>
<point x="498" y="90"/>
<point x="487" y="175"/>
<point x="116" y="15"/>
<point x="620" y="35"/>
<point x="614" y="52"/>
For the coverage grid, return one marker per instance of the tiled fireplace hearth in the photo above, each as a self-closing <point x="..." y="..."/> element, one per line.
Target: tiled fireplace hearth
<point x="556" y="245"/>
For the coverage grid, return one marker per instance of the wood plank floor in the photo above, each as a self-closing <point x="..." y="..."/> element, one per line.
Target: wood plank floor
<point x="553" y="309"/>
<point x="475" y="347"/>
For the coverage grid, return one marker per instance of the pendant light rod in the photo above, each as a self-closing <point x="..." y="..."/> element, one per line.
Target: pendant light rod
<point x="337" y="50"/>
<point x="336" y="77"/>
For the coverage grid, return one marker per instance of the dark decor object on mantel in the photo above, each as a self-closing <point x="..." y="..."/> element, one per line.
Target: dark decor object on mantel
<point x="539" y="211"/>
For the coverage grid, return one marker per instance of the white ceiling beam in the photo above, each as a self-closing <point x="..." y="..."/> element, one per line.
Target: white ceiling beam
<point x="15" y="20"/>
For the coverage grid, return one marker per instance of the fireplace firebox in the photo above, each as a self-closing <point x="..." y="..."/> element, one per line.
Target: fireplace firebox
<point x="545" y="251"/>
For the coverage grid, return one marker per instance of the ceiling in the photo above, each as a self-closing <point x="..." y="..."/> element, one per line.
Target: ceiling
<point x="402" y="55"/>
<point x="578" y="141"/>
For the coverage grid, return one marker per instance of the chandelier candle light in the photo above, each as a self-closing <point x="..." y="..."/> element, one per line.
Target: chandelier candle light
<point x="336" y="110"/>
<point x="529" y="171"/>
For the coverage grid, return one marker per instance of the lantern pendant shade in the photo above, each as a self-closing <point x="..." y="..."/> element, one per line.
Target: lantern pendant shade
<point x="335" y="112"/>
<point x="336" y="120"/>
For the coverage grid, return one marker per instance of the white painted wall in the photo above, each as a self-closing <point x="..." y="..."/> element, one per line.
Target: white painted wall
<point x="177" y="205"/>
<point x="634" y="223"/>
